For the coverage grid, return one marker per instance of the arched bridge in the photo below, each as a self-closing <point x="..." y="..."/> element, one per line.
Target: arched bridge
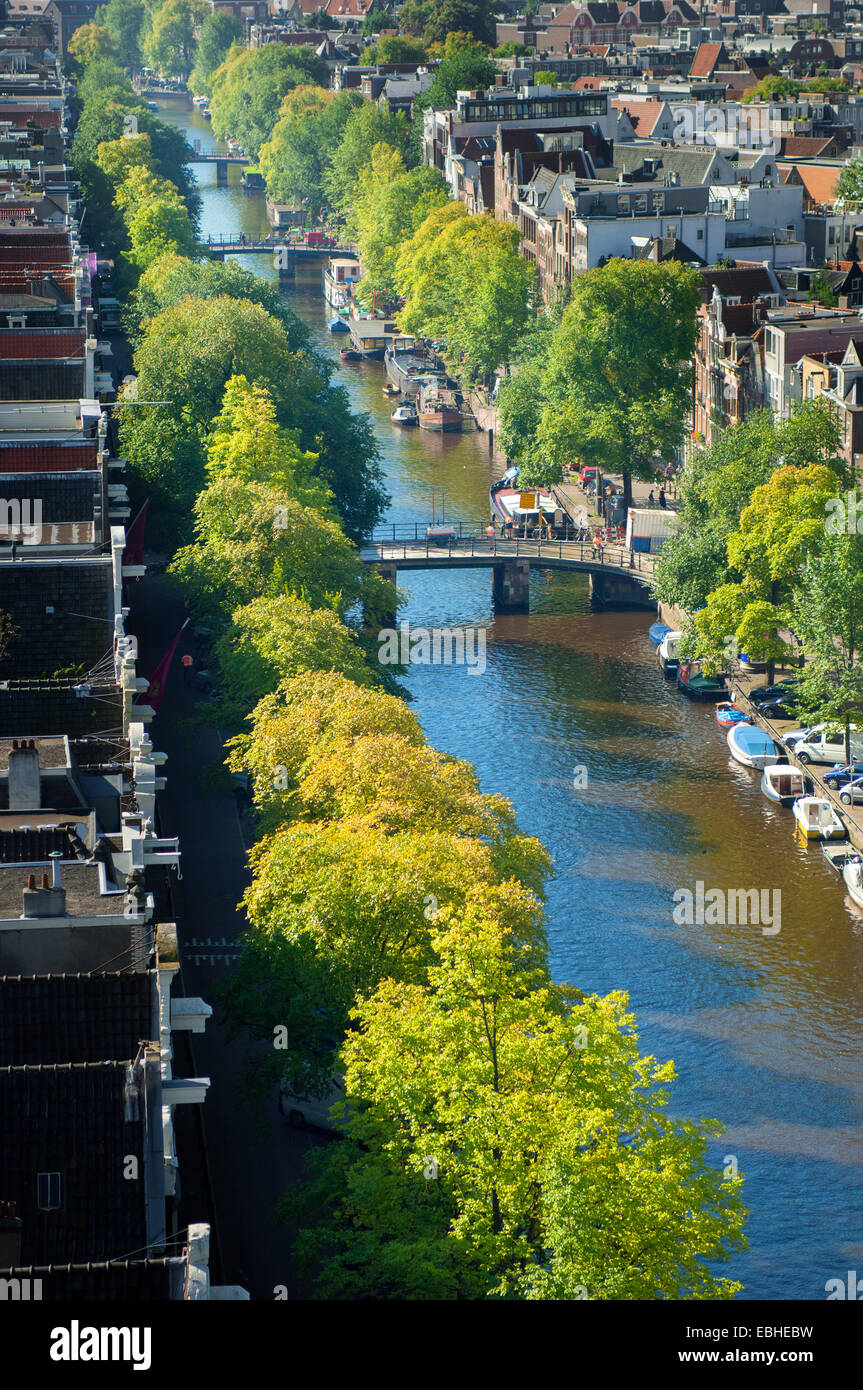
<point x="617" y="575"/>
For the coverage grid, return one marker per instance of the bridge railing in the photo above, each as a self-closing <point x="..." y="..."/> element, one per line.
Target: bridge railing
<point x="464" y="530"/>
<point x="611" y="556"/>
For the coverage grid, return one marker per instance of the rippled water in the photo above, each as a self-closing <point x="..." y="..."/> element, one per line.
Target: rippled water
<point x="765" y="1030"/>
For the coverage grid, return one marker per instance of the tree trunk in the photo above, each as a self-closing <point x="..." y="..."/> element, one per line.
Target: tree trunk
<point x="627" y="494"/>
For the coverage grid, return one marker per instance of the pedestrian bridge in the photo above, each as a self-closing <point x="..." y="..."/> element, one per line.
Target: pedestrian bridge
<point x="618" y="576"/>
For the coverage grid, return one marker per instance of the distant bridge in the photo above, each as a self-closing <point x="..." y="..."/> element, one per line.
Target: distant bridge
<point x="213" y="157"/>
<point x="617" y="575"/>
<point x="287" y="253"/>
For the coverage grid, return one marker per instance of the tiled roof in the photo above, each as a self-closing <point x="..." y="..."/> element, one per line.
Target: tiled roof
<point x="16" y="456"/>
<point x="72" y="1120"/>
<point x="819" y="180"/>
<point x="706" y="57"/>
<point x="19" y="343"/>
<point x="747" y="281"/>
<point x="74" y="1018"/>
<point x="643" y="114"/>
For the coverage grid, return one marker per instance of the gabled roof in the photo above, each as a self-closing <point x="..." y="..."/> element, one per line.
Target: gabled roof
<point x="747" y="281"/>
<point x="707" y="55"/>
<point x="819" y="180"/>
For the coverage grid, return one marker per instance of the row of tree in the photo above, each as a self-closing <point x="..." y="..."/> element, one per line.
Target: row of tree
<point x="768" y="559"/>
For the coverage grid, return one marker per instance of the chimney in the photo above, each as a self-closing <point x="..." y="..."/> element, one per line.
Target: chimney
<point x="50" y="899"/>
<point x="24" y="784"/>
<point x="10" y="1235"/>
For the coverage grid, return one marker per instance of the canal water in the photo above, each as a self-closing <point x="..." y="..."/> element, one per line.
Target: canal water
<point x="764" y="1029"/>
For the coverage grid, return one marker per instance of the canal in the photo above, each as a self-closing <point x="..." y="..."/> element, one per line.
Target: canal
<point x="765" y="1030"/>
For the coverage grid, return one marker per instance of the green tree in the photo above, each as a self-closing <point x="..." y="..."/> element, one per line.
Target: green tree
<point x="366" y="126"/>
<point x="170" y="44"/>
<point x="616" y="385"/>
<point x="560" y="1174"/>
<point x="157" y="219"/>
<point x="187" y="355"/>
<point x="821" y="291"/>
<point x="249" y="86"/>
<point x="171" y="278"/>
<point x="124" y="20"/>
<point x="849" y="187"/>
<point x="395" y="48"/>
<point x="295" y="161"/>
<point x="218" y="31"/>
<point x="828" y="617"/>
<point x="389" y="205"/>
<point x="92" y="41"/>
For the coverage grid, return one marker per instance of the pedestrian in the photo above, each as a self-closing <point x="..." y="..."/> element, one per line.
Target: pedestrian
<point x="651" y="500"/>
<point x="662" y="498"/>
<point x="188" y="664"/>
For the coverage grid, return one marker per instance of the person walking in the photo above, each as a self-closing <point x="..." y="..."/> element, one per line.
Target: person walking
<point x="651" y="500"/>
<point x="662" y="498"/>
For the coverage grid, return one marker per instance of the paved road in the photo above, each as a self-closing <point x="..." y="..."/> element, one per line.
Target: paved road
<point x="253" y="1156"/>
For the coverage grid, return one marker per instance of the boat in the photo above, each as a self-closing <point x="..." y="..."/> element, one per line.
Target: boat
<point x="338" y="325"/>
<point x="852" y="874"/>
<point x="727" y="714"/>
<point x="657" y="631"/>
<point x="520" y="511"/>
<point x="694" y="683"/>
<point x="437" y="408"/>
<point x="338" y="278"/>
<point x="234" y="146"/>
<point x="783" y="783"/>
<point x="817" y="820"/>
<point x="666" y="653"/>
<point x="750" y="746"/>
<point x="252" y="180"/>
<point x="206" y="113"/>
<point x="349" y="354"/>
<point x="407" y="367"/>
<point x="405" y="414"/>
<point x="838" y="856"/>
<point x="200" y="101"/>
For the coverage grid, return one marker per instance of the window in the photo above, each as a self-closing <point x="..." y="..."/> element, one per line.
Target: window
<point x="48" y="1191"/>
<point x="699" y="235"/>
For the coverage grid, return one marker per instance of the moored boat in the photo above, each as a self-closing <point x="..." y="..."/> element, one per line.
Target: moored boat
<point x="405" y="414"/>
<point x="338" y="325"/>
<point x="783" y="783"/>
<point x="338" y="279"/>
<point x="727" y="714"/>
<point x="750" y="746"/>
<point x="694" y="683"/>
<point x="349" y="354"/>
<point x="519" y="511"/>
<point x="657" y="631"/>
<point x="817" y="820"/>
<point x="666" y="653"/>
<point x="852" y="874"/>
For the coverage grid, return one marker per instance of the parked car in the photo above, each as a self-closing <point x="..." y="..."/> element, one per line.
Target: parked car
<point x="828" y="746"/>
<point x="852" y="792"/>
<point x="842" y="773"/>
<point x="302" y="1110"/>
<point x="780" y="708"/>
<point x="792" y="737"/>
<point x="772" y="692"/>
<point x="587" y="477"/>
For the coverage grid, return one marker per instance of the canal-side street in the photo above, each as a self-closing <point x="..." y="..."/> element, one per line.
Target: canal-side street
<point x="765" y="1030"/>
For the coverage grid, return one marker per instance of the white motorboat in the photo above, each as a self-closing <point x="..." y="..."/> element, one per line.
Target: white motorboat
<point x="405" y="414"/>
<point x="817" y="819"/>
<point x="783" y="784"/>
<point x="666" y="653"/>
<point x="751" y="746"/>
<point x="852" y="875"/>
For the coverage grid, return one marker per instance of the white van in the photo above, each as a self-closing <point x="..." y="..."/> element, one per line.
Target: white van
<point x="302" y="1110"/>
<point x="827" y="745"/>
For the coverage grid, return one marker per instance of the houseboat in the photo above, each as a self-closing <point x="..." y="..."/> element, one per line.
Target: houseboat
<point x="523" y="512"/>
<point x="337" y="280"/>
<point x="406" y="366"/>
<point x="371" y="337"/>
<point x="698" y="686"/>
<point x="437" y="407"/>
<point x="252" y="180"/>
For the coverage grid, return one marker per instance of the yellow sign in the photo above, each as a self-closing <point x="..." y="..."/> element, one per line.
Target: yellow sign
<point x="527" y="501"/>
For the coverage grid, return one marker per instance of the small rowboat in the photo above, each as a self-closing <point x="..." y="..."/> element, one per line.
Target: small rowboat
<point x="348" y="354"/>
<point x="657" y="631"/>
<point x="728" y="714"/>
